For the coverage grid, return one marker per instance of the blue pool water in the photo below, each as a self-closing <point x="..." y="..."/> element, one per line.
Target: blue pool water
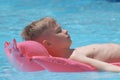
<point x="88" y="22"/>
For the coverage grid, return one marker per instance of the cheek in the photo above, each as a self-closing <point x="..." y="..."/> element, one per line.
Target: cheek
<point x="59" y="41"/>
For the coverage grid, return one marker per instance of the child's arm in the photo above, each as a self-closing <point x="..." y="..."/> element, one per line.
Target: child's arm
<point x="100" y="65"/>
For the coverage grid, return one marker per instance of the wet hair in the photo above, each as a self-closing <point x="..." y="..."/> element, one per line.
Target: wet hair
<point x="36" y="28"/>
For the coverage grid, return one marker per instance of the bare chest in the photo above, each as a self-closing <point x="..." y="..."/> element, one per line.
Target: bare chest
<point x="107" y="53"/>
<point x="103" y="52"/>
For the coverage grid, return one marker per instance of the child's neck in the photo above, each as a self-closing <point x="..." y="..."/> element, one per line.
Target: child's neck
<point x="65" y="53"/>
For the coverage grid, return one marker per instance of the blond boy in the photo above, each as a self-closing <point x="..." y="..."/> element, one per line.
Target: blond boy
<point x="57" y="41"/>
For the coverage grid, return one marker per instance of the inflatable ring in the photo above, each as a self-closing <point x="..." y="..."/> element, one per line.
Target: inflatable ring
<point x="30" y="56"/>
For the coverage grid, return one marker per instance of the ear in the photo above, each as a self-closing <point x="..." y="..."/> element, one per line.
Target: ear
<point x="46" y="43"/>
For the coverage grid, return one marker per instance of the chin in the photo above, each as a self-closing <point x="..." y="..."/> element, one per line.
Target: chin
<point x="70" y="41"/>
<point x="70" y="44"/>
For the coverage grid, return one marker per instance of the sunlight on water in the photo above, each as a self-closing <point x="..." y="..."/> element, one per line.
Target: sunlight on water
<point x="88" y="21"/>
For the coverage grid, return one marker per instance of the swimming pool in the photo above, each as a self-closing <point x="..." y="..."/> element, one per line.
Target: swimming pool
<point x="88" y="21"/>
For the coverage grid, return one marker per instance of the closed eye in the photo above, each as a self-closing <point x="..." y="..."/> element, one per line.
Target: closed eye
<point x="59" y="31"/>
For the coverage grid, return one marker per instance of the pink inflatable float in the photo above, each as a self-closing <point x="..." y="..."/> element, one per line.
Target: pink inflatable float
<point x="31" y="56"/>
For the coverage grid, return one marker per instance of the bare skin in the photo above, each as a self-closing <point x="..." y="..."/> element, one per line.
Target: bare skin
<point x="104" y="52"/>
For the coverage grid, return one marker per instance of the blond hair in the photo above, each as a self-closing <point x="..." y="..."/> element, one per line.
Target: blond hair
<point x="36" y="28"/>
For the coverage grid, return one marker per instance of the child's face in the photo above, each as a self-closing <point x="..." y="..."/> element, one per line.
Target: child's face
<point x="58" y="37"/>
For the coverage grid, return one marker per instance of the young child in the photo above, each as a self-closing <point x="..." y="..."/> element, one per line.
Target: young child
<point x="57" y="41"/>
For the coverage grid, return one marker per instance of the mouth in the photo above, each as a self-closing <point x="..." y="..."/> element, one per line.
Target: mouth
<point x="68" y="36"/>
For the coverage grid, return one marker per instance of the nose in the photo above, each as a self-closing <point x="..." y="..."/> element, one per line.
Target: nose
<point x="65" y="31"/>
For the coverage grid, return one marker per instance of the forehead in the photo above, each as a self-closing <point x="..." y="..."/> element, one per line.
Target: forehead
<point x="55" y="26"/>
<point x="52" y="30"/>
